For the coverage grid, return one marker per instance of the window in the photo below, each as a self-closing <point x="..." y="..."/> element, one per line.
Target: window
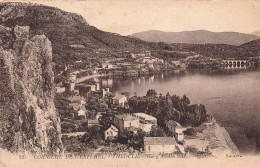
<point x="149" y="148"/>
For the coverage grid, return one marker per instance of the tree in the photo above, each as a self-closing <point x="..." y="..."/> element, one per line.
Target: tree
<point x="185" y="99"/>
<point x="190" y="132"/>
<point x="192" y="150"/>
<point x="156" y="131"/>
<point x="151" y="93"/>
<point x="68" y="127"/>
<point x="137" y="139"/>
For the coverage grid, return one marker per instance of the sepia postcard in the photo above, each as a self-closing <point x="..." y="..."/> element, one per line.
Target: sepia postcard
<point x="129" y="83"/>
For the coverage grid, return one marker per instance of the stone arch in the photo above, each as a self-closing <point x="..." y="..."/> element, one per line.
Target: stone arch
<point x="234" y="63"/>
<point x="238" y="63"/>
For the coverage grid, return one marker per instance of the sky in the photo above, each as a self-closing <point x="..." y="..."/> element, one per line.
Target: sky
<point x="127" y="17"/>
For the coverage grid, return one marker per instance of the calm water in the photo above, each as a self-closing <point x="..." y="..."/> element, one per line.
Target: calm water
<point x="232" y="97"/>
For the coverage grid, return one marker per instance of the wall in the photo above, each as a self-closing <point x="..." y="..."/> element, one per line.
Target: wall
<point x="134" y="123"/>
<point x="159" y="148"/>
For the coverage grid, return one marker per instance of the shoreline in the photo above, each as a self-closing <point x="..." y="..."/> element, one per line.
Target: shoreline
<point x="85" y="78"/>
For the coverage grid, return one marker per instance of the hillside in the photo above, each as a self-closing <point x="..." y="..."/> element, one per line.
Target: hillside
<point x="252" y="44"/>
<point x="219" y="50"/>
<point x="71" y="36"/>
<point x="196" y="37"/>
<point x="73" y="39"/>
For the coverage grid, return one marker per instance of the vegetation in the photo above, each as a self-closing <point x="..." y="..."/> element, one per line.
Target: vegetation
<point x="190" y="132"/>
<point x="196" y="153"/>
<point x="169" y="108"/>
<point x="76" y="43"/>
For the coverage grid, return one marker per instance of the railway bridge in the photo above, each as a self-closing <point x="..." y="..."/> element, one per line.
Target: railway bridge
<point x="236" y="63"/>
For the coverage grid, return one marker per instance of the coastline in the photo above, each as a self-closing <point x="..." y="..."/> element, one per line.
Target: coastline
<point x="217" y="139"/>
<point x="85" y="78"/>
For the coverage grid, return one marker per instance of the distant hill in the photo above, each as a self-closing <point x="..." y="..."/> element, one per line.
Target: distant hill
<point x="74" y="39"/>
<point x="252" y="44"/>
<point x="257" y="33"/>
<point x="196" y="37"/>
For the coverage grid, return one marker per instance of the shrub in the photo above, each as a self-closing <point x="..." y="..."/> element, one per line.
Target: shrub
<point x="190" y="132"/>
<point x="192" y="150"/>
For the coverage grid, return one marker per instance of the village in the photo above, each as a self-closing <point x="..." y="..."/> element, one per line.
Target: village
<point x="120" y="122"/>
<point x="94" y="119"/>
<point x="126" y="63"/>
<point x="89" y="107"/>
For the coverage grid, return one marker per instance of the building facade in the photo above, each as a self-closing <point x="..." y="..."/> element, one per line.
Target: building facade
<point x="146" y="121"/>
<point x="111" y="133"/>
<point x="60" y="89"/>
<point x="175" y="129"/>
<point x="125" y="121"/>
<point x="119" y="99"/>
<point x="159" y="144"/>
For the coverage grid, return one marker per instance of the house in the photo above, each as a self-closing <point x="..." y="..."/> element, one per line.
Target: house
<point x="105" y="91"/>
<point x="97" y="86"/>
<point x="60" y="89"/>
<point x="74" y="106"/>
<point x="93" y="123"/>
<point x="174" y="128"/>
<point x="150" y="65"/>
<point x="159" y="144"/>
<point x="140" y="54"/>
<point x="82" y="113"/>
<point x="132" y="72"/>
<point x="145" y="118"/>
<point x="119" y="99"/>
<point x="111" y="133"/>
<point x="146" y="121"/>
<point x="72" y="77"/>
<point x="146" y="127"/>
<point x="70" y="86"/>
<point x="84" y="90"/>
<point x="125" y="121"/>
<point x="132" y="129"/>
<point x="76" y="92"/>
<point x="135" y="55"/>
<point x="139" y="65"/>
<point x="107" y="66"/>
<point x="94" y="71"/>
<point x="76" y="99"/>
<point x="99" y="115"/>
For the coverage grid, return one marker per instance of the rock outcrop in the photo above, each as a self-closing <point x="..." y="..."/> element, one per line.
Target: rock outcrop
<point x="28" y="119"/>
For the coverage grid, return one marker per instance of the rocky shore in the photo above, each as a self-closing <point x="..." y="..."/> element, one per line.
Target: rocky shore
<point x="216" y="138"/>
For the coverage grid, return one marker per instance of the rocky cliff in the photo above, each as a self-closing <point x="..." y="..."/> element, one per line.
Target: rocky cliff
<point x="28" y="119"/>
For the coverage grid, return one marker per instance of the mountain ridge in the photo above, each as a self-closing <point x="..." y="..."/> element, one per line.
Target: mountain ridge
<point x="73" y="39"/>
<point x="196" y="37"/>
<point x="257" y="33"/>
